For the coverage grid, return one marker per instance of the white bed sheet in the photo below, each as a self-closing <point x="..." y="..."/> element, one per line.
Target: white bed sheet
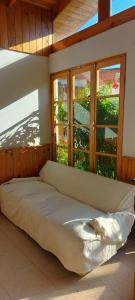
<point x="58" y="223"/>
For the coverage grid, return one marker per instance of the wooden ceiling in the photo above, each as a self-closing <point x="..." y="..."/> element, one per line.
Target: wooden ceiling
<point x="67" y="15"/>
<point x="75" y="14"/>
<point x="55" y="6"/>
<point x="72" y="17"/>
<point x="45" y="3"/>
<point x="48" y="4"/>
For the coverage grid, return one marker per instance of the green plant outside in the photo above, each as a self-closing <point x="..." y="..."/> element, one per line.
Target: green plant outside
<point x="107" y="114"/>
<point x="62" y="155"/>
<point x="62" y="115"/>
<point x="81" y="160"/>
<point x="106" y="166"/>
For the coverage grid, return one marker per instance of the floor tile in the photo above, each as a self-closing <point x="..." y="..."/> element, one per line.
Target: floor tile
<point x="3" y="294"/>
<point x="27" y="272"/>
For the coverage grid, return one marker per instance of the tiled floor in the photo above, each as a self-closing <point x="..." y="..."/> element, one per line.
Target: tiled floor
<point x="27" y="272"/>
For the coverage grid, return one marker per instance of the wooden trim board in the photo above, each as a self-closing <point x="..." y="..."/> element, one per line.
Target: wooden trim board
<point x="98" y="28"/>
<point x="104" y="10"/>
<point x="22" y="162"/>
<point x="127" y="168"/>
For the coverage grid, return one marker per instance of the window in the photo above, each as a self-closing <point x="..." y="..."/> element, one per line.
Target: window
<point x="117" y="6"/>
<point x="90" y="22"/>
<point x="60" y="118"/>
<point x="121" y="5"/>
<point x="107" y="117"/>
<point x="80" y="119"/>
<point x="87" y="114"/>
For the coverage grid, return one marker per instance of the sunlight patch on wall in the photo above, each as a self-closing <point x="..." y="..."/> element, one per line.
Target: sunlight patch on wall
<point x="36" y="45"/>
<point x="9" y="57"/>
<point x="19" y="122"/>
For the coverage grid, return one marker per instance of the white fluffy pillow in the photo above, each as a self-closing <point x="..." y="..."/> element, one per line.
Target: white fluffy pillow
<point x="113" y="228"/>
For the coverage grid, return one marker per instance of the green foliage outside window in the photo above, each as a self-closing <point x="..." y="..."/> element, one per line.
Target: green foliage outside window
<point x="62" y="155"/>
<point x="81" y="160"/>
<point x="107" y="114"/>
<point x="83" y="93"/>
<point x="106" y="166"/>
<point x="81" y="138"/>
<point x="107" y="111"/>
<point x="62" y="114"/>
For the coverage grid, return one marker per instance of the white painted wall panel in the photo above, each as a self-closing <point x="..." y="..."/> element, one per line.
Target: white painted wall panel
<point x="24" y="99"/>
<point x="112" y="42"/>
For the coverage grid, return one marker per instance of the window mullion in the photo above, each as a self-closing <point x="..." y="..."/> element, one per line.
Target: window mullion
<point x="92" y="118"/>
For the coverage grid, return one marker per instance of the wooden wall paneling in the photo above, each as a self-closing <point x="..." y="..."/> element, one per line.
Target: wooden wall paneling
<point x="50" y="32"/>
<point x="11" y="13"/>
<point x="45" y="31"/>
<point x="6" y="165"/>
<point x="3" y="26"/>
<point x="25" y="28"/>
<point x="48" y="4"/>
<point x="32" y="28"/>
<point x="22" y="162"/>
<point x="18" y="28"/>
<point x="11" y="2"/>
<point x="39" y="36"/>
<point x="18" y="165"/>
<point x="128" y="168"/>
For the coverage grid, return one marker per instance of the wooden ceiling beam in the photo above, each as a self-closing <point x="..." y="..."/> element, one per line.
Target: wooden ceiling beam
<point x="104" y="10"/>
<point x="59" y="7"/>
<point x="11" y="2"/>
<point x="98" y="28"/>
<point x="39" y="3"/>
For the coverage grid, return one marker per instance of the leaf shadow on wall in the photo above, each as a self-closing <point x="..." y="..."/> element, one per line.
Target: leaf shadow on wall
<point x="24" y="109"/>
<point x="25" y="132"/>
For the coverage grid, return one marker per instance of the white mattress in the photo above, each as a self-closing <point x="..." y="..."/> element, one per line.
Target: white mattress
<point x="56" y="222"/>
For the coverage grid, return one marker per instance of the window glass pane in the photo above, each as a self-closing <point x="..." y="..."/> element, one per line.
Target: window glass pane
<point x="61" y="134"/>
<point x="81" y="160"/>
<point x="107" y="111"/>
<point x="108" y="81"/>
<point x="60" y="89"/>
<point x="81" y="112"/>
<point x="106" y="166"/>
<point x="107" y="140"/>
<point x="120" y="5"/>
<point x="81" y="137"/>
<point x="81" y="85"/>
<point x="61" y="112"/>
<point x="62" y="155"/>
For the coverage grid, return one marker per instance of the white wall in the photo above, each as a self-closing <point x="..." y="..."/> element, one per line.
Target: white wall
<point x="24" y="99"/>
<point x="112" y="42"/>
